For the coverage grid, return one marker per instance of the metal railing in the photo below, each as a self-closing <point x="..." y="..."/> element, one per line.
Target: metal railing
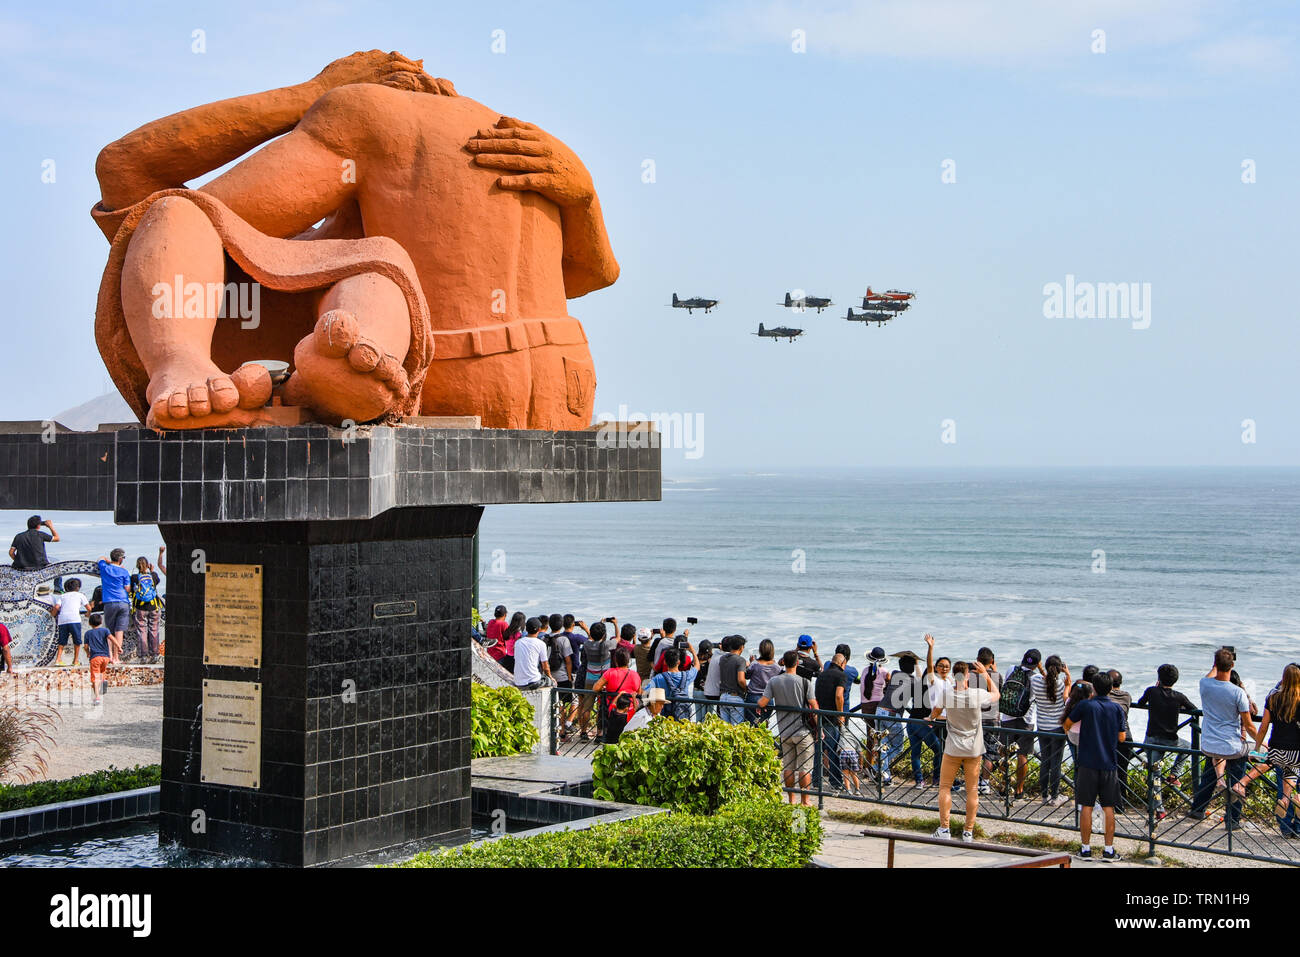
<point x="1027" y="776"/>
<point x="1031" y="858"/>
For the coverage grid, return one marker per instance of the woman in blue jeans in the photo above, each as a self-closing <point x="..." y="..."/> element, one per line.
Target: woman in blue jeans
<point x="905" y="693"/>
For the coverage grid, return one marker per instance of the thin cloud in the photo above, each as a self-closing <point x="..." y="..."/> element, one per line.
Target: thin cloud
<point x="1246" y="54"/>
<point x="1009" y="33"/>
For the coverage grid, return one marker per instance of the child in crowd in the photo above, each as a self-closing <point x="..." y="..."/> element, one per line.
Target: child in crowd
<point x="98" y="650"/>
<point x="850" y="763"/>
<point x="67" y="613"/>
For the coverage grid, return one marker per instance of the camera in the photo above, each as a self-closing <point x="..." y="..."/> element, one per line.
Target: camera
<point x="610" y="620"/>
<point x="692" y="621"/>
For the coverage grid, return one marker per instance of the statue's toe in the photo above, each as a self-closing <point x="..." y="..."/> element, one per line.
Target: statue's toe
<point x="252" y="382"/>
<point x="178" y="406"/>
<point x="200" y="403"/>
<point x="364" y="356"/>
<point x="223" y="393"/>
<point x="337" y="331"/>
<point x="390" y="371"/>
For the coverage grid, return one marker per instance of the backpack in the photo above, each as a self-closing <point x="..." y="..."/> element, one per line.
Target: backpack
<point x="555" y="660"/>
<point x="807" y="668"/>
<point x="1016" y="693"/>
<point x="676" y="689"/>
<point x="146" y="595"/>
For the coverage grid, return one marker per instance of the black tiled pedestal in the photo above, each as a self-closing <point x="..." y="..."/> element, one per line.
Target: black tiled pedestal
<point x="365" y="719"/>
<point x="364" y="711"/>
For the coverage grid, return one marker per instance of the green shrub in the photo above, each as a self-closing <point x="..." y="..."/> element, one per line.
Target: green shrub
<point x="747" y="834"/>
<point x="501" y="722"/>
<point x="110" y="781"/>
<point x="688" y="766"/>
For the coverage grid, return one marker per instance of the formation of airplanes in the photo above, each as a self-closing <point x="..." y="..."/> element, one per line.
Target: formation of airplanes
<point x="877" y="307"/>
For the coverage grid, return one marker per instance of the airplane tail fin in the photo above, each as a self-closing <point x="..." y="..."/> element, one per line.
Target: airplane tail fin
<point x="760" y="325"/>
<point x="675" y="300"/>
<point x="788" y="300"/>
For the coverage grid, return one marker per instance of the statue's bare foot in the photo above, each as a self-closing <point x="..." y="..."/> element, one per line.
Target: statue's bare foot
<point x="195" y="394"/>
<point x="340" y="374"/>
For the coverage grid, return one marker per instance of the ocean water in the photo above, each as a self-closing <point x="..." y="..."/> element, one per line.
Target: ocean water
<point x="1194" y="559"/>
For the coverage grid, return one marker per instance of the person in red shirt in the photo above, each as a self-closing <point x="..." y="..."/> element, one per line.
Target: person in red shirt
<point x="622" y="685"/>
<point x="4" y="646"/>
<point x="495" y="633"/>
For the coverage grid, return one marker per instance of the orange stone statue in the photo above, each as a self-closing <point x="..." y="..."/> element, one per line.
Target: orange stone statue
<point x="405" y="250"/>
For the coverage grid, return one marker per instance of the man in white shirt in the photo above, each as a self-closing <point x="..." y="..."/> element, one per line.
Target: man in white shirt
<point x="530" y="658"/>
<point x="652" y="703"/>
<point x="67" y="613"/>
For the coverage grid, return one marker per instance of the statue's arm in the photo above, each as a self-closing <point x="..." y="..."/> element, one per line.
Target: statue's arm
<point x="166" y="153"/>
<point x="302" y="177"/>
<point x="535" y="160"/>
<point x="588" y="260"/>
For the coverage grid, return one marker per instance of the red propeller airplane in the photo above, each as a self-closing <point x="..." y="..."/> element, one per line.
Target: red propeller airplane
<point x="889" y="295"/>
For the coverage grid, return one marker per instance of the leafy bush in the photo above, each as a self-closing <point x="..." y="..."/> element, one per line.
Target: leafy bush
<point x="689" y="767"/>
<point x="760" y="833"/>
<point x="501" y="722"/>
<point x="109" y="781"/>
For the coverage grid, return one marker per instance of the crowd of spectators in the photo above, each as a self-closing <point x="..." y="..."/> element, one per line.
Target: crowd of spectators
<point x="967" y="713"/>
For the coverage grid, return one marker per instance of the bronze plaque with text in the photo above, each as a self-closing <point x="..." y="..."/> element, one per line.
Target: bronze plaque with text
<point x="232" y="733"/>
<point x="232" y="615"/>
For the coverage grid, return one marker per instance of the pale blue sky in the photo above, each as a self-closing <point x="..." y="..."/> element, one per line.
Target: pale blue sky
<point x="779" y="170"/>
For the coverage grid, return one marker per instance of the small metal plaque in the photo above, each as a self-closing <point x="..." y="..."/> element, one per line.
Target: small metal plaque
<point x="394" y="609"/>
<point x="232" y="615"/>
<point x="232" y="733"/>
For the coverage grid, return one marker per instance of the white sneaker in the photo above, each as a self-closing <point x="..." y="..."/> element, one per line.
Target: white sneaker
<point x="968" y="837"/>
<point x="942" y="832"/>
<point x="1059" y="800"/>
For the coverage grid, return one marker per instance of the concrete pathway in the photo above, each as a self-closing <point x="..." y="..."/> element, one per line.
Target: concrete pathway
<point x="124" y="732"/>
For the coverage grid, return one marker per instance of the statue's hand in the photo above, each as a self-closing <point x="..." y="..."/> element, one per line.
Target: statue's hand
<point x="418" y="82"/>
<point x="371" y="66"/>
<point x="536" y="160"/>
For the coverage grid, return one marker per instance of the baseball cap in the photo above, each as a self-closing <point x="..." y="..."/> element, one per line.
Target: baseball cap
<point x="805" y="641"/>
<point x="1031" y="659"/>
<point x="643" y="634"/>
